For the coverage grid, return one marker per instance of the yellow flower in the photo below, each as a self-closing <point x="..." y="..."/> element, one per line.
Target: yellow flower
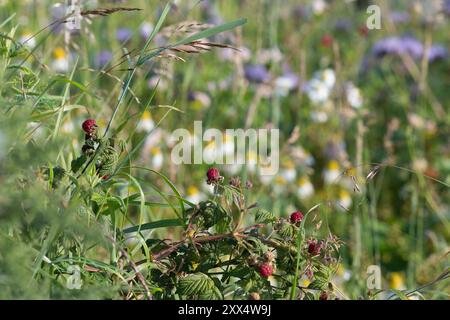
<point x="192" y="190"/>
<point x="146" y="115"/>
<point x="194" y="265"/>
<point x="333" y="165"/>
<point x="397" y="281"/>
<point x="59" y="53"/>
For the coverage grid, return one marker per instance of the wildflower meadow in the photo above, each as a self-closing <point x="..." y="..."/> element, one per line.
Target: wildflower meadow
<point x="225" y="150"/>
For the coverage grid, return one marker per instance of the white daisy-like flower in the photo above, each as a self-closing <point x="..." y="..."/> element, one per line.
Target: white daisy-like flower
<point x="252" y="161"/>
<point x="285" y="84"/>
<point x="208" y="188"/>
<point x="146" y="123"/>
<point x="345" y="200"/>
<point x="228" y="145"/>
<point x="266" y="179"/>
<point x="305" y="188"/>
<point x="157" y="158"/>
<point x="332" y="172"/>
<point x="194" y="195"/>
<point x="288" y="172"/>
<point x="279" y="184"/>
<point x="28" y="40"/>
<point x="327" y="76"/>
<point x="212" y="152"/>
<point x="354" y="96"/>
<point x="318" y="6"/>
<point x="61" y="60"/>
<point x="318" y="91"/>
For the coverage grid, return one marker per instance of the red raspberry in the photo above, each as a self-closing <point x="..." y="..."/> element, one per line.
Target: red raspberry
<point x="296" y="216"/>
<point x="314" y="247"/>
<point x="326" y="40"/>
<point x="89" y="126"/>
<point x="265" y="270"/>
<point x="323" y="295"/>
<point x="363" y="30"/>
<point x="213" y="175"/>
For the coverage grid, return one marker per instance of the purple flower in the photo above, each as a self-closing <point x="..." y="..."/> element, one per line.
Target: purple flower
<point x="58" y="12"/>
<point x="256" y="73"/>
<point x="409" y="45"/>
<point x="446" y="7"/>
<point x="103" y="58"/>
<point x="123" y="34"/>
<point x="146" y="30"/>
<point x="399" y="17"/>
<point x="398" y="46"/>
<point x="437" y="52"/>
<point x="343" y="25"/>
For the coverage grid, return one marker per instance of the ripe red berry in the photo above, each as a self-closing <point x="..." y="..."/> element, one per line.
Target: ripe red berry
<point x="363" y="30"/>
<point x="327" y="40"/>
<point x="323" y="295"/>
<point x="314" y="247"/>
<point x="296" y="216"/>
<point x="265" y="270"/>
<point x="89" y="126"/>
<point x="213" y="175"/>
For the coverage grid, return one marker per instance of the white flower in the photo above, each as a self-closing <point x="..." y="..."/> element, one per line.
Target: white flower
<point x="252" y="162"/>
<point x="332" y="172"/>
<point x="194" y="195"/>
<point x="288" y="171"/>
<point x="61" y="61"/>
<point x="208" y="188"/>
<point x="318" y="91"/>
<point x="266" y="179"/>
<point x="284" y="84"/>
<point x="327" y="76"/>
<point x="345" y="200"/>
<point x="212" y="152"/>
<point x="354" y="96"/>
<point x="305" y="189"/>
<point x="146" y="123"/>
<point x="157" y="158"/>
<point x="28" y="40"/>
<point x="319" y="6"/>
<point x="279" y="185"/>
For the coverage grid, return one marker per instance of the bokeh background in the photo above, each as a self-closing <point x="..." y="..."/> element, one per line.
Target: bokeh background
<point x="363" y="117"/>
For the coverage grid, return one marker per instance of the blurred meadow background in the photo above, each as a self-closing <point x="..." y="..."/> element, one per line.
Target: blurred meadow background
<point x="363" y="116"/>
